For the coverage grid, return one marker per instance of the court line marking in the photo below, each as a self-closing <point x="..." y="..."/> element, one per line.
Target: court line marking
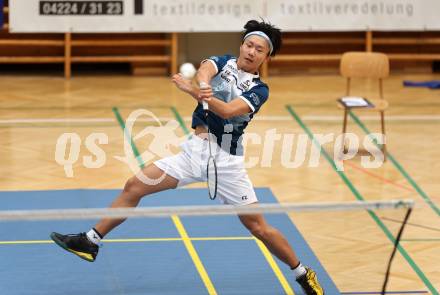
<point x="413" y="224"/>
<point x="359" y="197"/>
<point x="266" y="253"/>
<point x="57" y="120"/>
<point x="63" y="108"/>
<point x="381" y="178"/>
<point x="176" y="220"/>
<point x="329" y="118"/>
<point x="64" y="125"/>
<point x="134" y="240"/>
<point x="26" y="242"/>
<point x="421" y="240"/>
<point x="278" y="273"/>
<point x="323" y="118"/>
<point x="181" y="121"/>
<point x="127" y="135"/>
<point x="194" y="256"/>
<point x="399" y="167"/>
<point x="223" y="239"/>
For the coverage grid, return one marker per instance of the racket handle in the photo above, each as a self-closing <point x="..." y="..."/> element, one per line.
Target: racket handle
<point x="203" y="85"/>
<point x="204" y="103"/>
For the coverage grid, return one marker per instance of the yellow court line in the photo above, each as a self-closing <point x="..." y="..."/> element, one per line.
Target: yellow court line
<point x="26" y="242"/>
<point x="142" y="240"/>
<point x="134" y="240"/>
<point x="194" y="256"/>
<point x="222" y="239"/>
<point x="279" y="274"/>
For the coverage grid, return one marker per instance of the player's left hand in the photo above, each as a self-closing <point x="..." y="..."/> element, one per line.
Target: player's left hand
<point x="183" y="84"/>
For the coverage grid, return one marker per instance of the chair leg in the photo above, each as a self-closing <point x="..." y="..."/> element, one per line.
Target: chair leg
<point x="344" y="129"/>
<point x="384" y="149"/>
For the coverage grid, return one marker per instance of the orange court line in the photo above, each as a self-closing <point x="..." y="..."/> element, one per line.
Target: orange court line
<point x="383" y="179"/>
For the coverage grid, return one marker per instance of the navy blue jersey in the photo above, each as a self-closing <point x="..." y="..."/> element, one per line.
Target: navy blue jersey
<point x="231" y="83"/>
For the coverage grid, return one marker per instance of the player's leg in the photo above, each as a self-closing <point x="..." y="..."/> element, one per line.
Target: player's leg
<point x="271" y="237"/>
<point x="180" y="169"/>
<point x="86" y="245"/>
<point x="134" y="190"/>
<point x="235" y="188"/>
<point x="278" y="246"/>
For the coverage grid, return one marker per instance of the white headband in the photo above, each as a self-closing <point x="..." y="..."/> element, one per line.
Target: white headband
<point x="263" y="35"/>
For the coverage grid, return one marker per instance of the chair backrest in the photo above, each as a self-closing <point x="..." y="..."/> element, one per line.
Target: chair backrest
<point x="364" y="65"/>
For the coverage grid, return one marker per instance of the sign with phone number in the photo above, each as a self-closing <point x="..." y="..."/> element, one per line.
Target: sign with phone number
<point x="81" y="8"/>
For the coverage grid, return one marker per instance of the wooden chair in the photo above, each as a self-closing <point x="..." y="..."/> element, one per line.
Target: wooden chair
<point x="365" y="65"/>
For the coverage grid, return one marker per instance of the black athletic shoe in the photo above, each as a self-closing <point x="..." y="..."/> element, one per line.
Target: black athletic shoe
<point x="309" y="283"/>
<point x="78" y="244"/>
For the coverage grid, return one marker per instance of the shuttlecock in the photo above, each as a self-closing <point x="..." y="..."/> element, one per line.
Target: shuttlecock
<point x="188" y="70"/>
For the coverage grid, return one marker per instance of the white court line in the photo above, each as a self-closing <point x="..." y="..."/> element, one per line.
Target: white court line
<point x="257" y="118"/>
<point x="374" y="118"/>
<point x="60" y="120"/>
<point x="76" y="120"/>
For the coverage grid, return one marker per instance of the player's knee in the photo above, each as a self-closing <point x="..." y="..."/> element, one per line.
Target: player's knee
<point x="257" y="231"/>
<point x="129" y="186"/>
<point x="132" y="190"/>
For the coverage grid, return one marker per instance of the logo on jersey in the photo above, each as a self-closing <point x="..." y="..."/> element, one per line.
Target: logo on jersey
<point x="255" y="98"/>
<point x="245" y="84"/>
<point x="225" y="75"/>
<point x="231" y="68"/>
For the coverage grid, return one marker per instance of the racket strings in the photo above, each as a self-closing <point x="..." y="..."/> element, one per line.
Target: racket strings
<point x="211" y="167"/>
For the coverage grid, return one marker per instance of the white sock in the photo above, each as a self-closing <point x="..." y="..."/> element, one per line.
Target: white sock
<point x="299" y="271"/>
<point x="94" y="236"/>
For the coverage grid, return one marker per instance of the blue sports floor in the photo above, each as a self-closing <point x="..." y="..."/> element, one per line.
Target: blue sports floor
<point x="146" y="256"/>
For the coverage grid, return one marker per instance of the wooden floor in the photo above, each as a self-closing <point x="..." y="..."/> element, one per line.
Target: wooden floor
<point x="36" y="110"/>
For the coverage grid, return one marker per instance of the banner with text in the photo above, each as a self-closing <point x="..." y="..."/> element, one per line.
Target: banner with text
<point x="221" y="16"/>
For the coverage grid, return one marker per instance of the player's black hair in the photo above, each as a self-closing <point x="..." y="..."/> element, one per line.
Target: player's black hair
<point x="270" y="30"/>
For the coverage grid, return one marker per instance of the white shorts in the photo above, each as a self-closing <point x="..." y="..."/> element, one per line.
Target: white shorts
<point x="233" y="184"/>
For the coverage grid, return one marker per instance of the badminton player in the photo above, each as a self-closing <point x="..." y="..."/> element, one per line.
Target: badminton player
<point x="234" y="93"/>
